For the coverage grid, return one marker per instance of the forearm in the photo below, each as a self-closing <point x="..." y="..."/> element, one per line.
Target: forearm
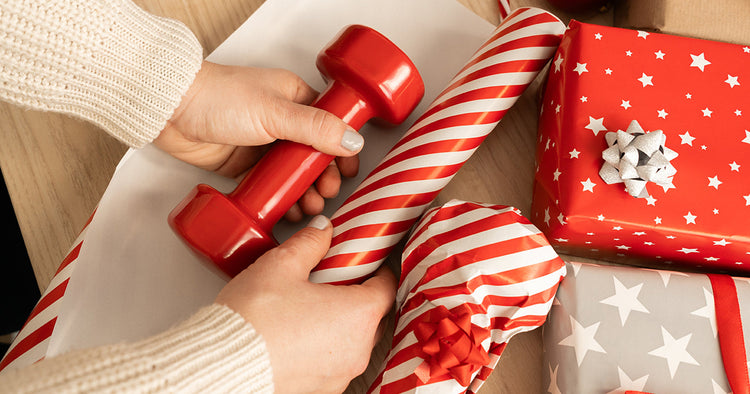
<point x="106" y="61"/>
<point x="213" y="351"/>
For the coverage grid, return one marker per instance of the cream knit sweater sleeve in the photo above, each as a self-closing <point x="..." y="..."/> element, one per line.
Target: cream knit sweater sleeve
<point x="215" y="351"/>
<point x="106" y="61"/>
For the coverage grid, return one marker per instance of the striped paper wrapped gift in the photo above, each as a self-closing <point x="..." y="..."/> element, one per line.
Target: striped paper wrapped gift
<point x="472" y="276"/>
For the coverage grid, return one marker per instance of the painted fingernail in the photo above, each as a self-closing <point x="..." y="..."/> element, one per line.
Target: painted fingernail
<point x="352" y="141"/>
<point x="320" y="222"/>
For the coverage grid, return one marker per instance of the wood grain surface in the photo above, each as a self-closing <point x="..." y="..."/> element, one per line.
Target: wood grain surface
<point x="57" y="169"/>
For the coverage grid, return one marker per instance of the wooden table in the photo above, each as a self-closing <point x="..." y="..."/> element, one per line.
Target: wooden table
<point x="57" y="169"/>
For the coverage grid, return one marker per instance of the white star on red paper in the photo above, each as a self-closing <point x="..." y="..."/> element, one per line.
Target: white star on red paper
<point x="596" y="125"/>
<point x="707" y="112"/>
<point x="584" y="99"/>
<point x="546" y="216"/>
<point x="714" y="182"/>
<point x="642" y="34"/>
<point x="608" y="71"/>
<point x="582" y="339"/>
<point x="600" y="218"/>
<point x="580" y="68"/>
<point x="734" y="166"/>
<point x="732" y="81"/>
<point x="622" y="247"/>
<point x="574" y="154"/>
<point x="556" y="174"/>
<point x="628" y="53"/>
<point x="674" y="351"/>
<point x="646" y="80"/>
<point x="597" y="36"/>
<point x="722" y="242"/>
<point x="716" y="211"/>
<point x="699" y="61"/>
<point x="558" y="62"/>
<point x="747" y="137"/>
<point x="686" y="138"/>
<point x="688" y="96"/>
<point x="738" y="112"/>
<point x="650" y="200"/>
<point x="690" y="218"/>
<point x="659" y="54"/>
<point x="561" y="219"/>
<point x="662" y="113"/>
<point x="657" y="220"/>
<point x="747" y="199"/>
<point x="688" y="250"/>
<point x="588" y="186"/>
<point x="639" y="233"/>
<point x="746" y="49"/>
<point x="625" y="104"/>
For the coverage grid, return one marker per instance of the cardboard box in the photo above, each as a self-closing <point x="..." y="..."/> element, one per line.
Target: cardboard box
<point x="720" y="20"/>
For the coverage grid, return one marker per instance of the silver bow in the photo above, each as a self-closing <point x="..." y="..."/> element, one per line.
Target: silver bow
<point x="635" y="158"/>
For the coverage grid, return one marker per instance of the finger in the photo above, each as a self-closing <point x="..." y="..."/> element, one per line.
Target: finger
<point x="304" y="250"/>
<point x="293" y="87"/>
<point x="294" y="214"/>
<point x="312" y="126"/>
<point x="311" y="202"/>
<point x="382" y="290"/>
<point x="348" y="166"/>
<point x="329" y="182"/>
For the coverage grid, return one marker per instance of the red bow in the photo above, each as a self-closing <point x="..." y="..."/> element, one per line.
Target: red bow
<point x="450" y="344"/>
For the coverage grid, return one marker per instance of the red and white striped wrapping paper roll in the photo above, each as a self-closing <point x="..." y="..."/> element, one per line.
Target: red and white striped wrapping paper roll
<point x="391" y="198"/>
<point x="31" y="343"/>
<point x="484" y="260"/>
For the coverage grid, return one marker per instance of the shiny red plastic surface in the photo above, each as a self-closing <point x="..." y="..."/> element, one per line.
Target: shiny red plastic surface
<point x="368" y="76"/>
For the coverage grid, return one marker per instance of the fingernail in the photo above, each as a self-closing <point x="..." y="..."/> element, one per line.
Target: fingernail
<point x="320" y="222"/>
<point x="352" y="141"/>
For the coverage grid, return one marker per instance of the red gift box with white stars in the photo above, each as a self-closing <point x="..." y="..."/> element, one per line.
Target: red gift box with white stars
<point x="644" y="150"/>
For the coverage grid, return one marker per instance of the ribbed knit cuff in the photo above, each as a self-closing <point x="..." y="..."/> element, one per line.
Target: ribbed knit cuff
<point x="214" y="351"/>
<point x="106" y="61"/>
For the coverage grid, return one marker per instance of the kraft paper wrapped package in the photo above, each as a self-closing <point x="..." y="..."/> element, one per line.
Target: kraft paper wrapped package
<point x="720" y="20"/>
<point x="472" y="276"/>
<point x="616" y="329"/>
<point x="643" y="150"/>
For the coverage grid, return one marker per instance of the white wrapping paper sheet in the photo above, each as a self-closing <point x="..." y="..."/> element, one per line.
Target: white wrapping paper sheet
<point x="134" y="277"/>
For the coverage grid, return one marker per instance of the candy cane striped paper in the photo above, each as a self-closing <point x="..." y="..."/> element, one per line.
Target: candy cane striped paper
<point x="487" y="259"/>
<point x="504" y="8"/>
<point x="390" y="199"/>
<point x="32" y="341"/>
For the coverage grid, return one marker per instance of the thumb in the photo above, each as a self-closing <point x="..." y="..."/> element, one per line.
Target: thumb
<point x="315" y="127"/>
<point x="304" y="250"/>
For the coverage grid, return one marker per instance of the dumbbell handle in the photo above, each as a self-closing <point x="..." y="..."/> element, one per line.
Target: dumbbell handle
<point x="288" y="169"/>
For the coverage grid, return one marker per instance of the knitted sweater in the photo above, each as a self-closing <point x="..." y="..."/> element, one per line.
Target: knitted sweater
<point x="111" y="63"/>
<point x="105" y="61"/>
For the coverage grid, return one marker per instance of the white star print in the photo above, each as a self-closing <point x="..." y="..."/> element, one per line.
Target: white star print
<point x="711" y="258"/>
<point x="722" y="242"/>
<point x="561" y="219"/>
<point x="588" y="186"/>
<point x="738" y="112"/>
<point x="650" y="200"/>
<point x="642" y="34"/>
<point x="639" y="233"/>
<point x="625" y="104"/>
<point x="574" y="154"/>
<point x="734" y="166"/>
<point x="582" y="339"/>
<point x="688" y="96"/>
<point x="584" y="99"/>
<point x="690" y="218"/>
<point x="657" y="220"/>
<point x="596" y="125"/>
<point x="699" y="61"/>
<point x="622" y="247"/>
<point x="561" y="240"/>
<point x="662" y="113"/>
<point x="625" y="300"/>
<point x="608" y="71"/>
<point x="556" y="174"/>
<point x="628" y="53"/>
<point x="557" y="109"/>
<point x="674" y="351"/>
<point x="649" y="243"/>
<point x="580" y="68"/>
<point x="627" y="384"/>
<point x="558" y="62"/>
<point x="598" y="36"/>
<point x="732" y="81"/>
<point x="747" y="137"/>
<point x="714" y="182"/>
<point x="747" y="199"/>
<point x="547" y="217"/>
<point x="688" y="250"/>
<point x="553" y="388"/>
<point x="708" y="310"/>
<point x="671" y="237"/>
<point x="746" y="49"/>
<point x="646" y="79"/>
<point x="659" y="54"/>
<point x="716" y="211"/>
<point x="600" y="218"/>
<point x="686" y="138"/>
<point x="707" y="112"/>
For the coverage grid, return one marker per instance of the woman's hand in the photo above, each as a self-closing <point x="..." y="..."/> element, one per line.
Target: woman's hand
<point x="230" y="114"/>
<point x="319" y="336"/>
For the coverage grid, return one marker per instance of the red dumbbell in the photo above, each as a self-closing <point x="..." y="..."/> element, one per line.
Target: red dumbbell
<point x="368" y="76"/>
